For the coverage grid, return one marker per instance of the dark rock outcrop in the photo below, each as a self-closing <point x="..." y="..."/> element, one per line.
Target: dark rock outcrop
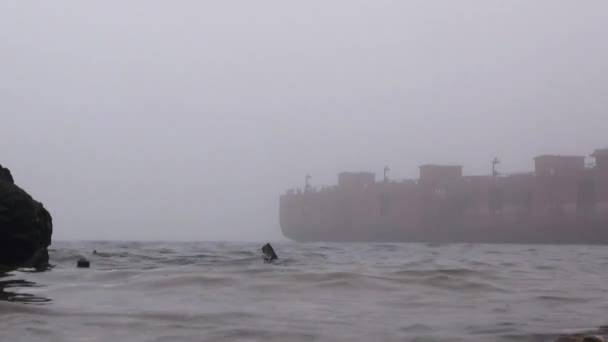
<point x="25" y="227"/>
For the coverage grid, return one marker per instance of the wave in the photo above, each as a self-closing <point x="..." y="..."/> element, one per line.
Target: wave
<point x="224" y="291"/>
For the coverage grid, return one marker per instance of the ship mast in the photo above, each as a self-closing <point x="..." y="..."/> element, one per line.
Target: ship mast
<point x="386" y="170"/>
<point x="495" y="162"/>
<point x="307" y="182"/>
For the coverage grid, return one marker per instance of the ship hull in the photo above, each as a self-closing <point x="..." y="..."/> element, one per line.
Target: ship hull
<point x="591" y="234"/>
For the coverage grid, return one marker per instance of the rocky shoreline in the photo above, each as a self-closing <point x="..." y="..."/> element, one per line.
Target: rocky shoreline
<point x="598" y="335"/>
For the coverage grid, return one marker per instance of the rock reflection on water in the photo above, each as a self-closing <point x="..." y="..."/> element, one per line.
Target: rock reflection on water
<point x="11" y="290"/>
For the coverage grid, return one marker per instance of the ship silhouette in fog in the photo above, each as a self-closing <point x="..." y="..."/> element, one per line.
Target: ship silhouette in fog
<point x="563" y="201"/>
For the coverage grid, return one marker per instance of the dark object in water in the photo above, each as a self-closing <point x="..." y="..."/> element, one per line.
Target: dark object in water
<point x="25" y="227"/>
<point x="269" y="254"/>
<point x="83" y="263"/>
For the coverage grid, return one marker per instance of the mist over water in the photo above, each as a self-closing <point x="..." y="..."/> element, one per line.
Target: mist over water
<point x="315" y="292"/>
<point x="128" y="119"/>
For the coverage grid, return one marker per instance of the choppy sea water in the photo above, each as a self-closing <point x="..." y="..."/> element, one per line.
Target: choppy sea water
<point x="216" y="291"/>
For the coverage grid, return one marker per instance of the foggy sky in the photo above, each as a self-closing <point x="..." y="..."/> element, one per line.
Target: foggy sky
<point x="185" y="120"/>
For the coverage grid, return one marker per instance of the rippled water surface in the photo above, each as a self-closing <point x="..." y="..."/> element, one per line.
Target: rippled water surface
<point x="316" y="292"/>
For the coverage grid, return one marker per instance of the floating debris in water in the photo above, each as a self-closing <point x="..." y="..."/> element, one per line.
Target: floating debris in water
<point x="83" y="263"/>
<point x="269" y="254"/>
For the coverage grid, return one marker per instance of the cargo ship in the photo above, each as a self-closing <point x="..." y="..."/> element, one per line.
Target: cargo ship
<point x="563" y="201"/>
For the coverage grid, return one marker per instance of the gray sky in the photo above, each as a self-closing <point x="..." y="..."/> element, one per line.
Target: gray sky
<point x="187" y="119"/>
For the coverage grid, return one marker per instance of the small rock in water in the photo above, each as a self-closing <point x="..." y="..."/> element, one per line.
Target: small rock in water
<point x="269" y="254"/>
<point x="83" y="263"/>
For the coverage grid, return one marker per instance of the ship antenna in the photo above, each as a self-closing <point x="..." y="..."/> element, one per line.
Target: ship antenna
<point x="495" y="161"/>
<point x="386" y="170"/>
